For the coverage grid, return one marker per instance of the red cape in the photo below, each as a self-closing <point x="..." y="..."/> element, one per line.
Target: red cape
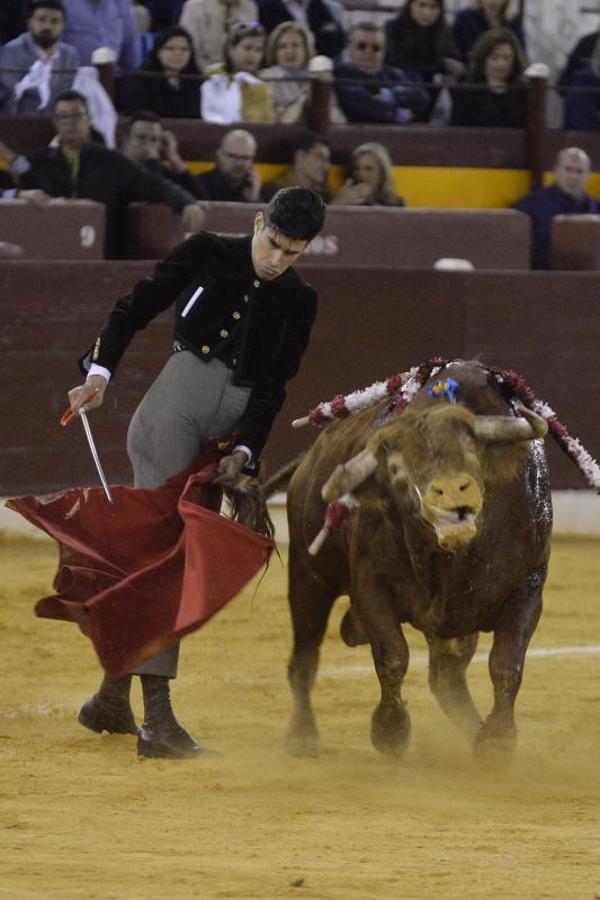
<point x="138" y="574"/>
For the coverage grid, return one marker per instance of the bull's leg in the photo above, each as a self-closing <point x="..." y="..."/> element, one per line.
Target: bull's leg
<point x="390" y="725"/>
<point x="448" y="661"/>
<point x="311" y="600"/>
<point x="507" y="658"/>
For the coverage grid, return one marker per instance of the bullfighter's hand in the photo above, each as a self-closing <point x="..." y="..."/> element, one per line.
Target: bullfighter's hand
<point x="230" y="467"/>
<point x="89" y="395"/>
<point x="193" y="217"/>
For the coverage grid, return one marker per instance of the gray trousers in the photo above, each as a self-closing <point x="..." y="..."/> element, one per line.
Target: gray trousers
<point x="190" y="401"/>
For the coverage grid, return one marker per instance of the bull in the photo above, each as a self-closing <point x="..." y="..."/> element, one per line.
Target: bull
<point x="452" y="535"/>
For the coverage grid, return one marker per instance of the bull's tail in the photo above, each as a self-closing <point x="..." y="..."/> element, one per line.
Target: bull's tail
<point x="280" y="479"/>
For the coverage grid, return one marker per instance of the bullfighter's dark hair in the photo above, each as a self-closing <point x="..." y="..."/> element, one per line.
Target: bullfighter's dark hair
<point x="58" y="5"/>
<point x="297" y="213"/>
<point x="68" y="96"/>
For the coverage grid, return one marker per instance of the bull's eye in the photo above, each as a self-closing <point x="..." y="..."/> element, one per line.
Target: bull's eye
<point x="438" y="491"/>
<point x="463" y="487"/>
<point x="394" y="469"/>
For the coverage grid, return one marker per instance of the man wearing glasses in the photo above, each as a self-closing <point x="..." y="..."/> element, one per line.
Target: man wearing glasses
<point x="234" y="178"/>
<point x="368" y="90"/>
<point x="76" y="167"/>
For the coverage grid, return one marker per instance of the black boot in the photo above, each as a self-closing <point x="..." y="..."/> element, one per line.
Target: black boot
<point x="161" y="736"/>
<point x="109" y="709"/>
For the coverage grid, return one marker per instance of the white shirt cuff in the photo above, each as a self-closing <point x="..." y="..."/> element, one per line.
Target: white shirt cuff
<point x="246" y="450"/>
<point x="98" y="370"/>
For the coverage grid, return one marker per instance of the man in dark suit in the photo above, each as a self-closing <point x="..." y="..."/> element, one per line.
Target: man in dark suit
<point x="74" y="166"/>
<point x="368" y="90"/>
<point x="243" y="318"/>
<point x="566" y="197"/>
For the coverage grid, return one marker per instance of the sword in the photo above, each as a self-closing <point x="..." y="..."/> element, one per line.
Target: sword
<point x="66" y="418"/>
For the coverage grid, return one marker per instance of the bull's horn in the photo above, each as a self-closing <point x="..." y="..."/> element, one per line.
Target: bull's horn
<point x="506" y="429"/>
<point x="347" y="477"/>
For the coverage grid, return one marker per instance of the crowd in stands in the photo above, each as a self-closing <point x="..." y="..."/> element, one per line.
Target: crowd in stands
<point x="249" y="61"/>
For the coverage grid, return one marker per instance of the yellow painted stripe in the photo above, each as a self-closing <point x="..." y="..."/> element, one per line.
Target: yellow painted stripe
<point x="432" y="186"/>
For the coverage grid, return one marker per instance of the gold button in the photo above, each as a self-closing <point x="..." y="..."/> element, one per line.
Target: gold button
<point x="224" y="333"/>
<point x="246" y="298"/>
<point x="234" y="362"/>
<point x="237" y="315"/>
<point x="256" y="283"/>
<point x="206" y="348"/>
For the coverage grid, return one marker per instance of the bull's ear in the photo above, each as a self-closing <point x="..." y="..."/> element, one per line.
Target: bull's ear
<point x="509" y="429"/>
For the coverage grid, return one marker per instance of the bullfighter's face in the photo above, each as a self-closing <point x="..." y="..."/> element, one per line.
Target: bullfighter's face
<point x="272" y="251"/>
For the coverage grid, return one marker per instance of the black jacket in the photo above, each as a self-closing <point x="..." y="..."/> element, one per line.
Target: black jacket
<point x="482" y="108"/>
<point x="213" y="185"/>
<point x="260" y="328"/>
<point x="105" y="176"/>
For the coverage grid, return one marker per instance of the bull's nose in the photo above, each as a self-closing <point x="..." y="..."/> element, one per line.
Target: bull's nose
<point x="457" y="493"/>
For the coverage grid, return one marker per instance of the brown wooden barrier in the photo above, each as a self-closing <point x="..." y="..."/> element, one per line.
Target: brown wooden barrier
<point x="397" y="238"/>
<point x="65" y="229"/>
<point x="576" y="243"/>
<point x="371" y="323"/>
<point x="417" y="145"/>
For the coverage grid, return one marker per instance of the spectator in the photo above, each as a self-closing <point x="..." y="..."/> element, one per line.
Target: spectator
<point x="565" y="197"/>
<point x="311" y="158"/>
<point x="323" y="18"/>
<point x="76" y="167"/>
<point x="36" y="59"/>
<point x="209" y="22"/>
<point x="233" y="92"/>
<point x="103" y="23"/>
<point x="147" y="143"/>
<point x="168" y="83"/>
<point x="582" y="108"/>
<point x="234" y="178"/>
<point x="289" y="48"/>
<point x="580" y="56"/>
<point x="470" y="24"/>
<point x="499" y="99"/>
<point x="419" y="41"/>
<point x="371" y="181"/>
<point x="369" y="101"/>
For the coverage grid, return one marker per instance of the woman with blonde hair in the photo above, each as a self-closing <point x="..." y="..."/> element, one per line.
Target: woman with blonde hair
<point x="290" y="49"/>
<point x="371" y="181"/>
<point x="233" y="90"/>
<point x="470" y="24"/>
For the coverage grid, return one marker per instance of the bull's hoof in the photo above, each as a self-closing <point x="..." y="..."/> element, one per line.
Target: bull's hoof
<point x="495" y="742"/>
<point x="351" y="631"/>
<point x="390" y="730"/>
<point x="302" y="738"/>
<point x="113" y="715"/>
<point x="167" y="741"/>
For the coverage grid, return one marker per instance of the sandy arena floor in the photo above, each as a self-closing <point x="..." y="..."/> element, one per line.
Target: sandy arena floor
<point x="81" y="817"/>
